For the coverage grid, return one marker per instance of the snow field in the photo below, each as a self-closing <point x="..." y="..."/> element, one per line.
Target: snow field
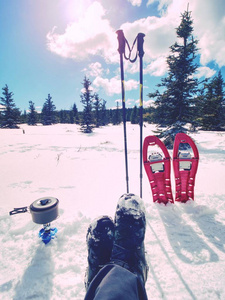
<point x="185" y="243"/>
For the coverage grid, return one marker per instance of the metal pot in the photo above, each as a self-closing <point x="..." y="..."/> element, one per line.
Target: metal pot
<point x="44" y="210"/>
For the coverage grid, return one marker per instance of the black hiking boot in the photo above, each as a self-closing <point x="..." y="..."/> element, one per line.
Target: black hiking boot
<point x="128" y="248"/>
<point x="99" y="242"/>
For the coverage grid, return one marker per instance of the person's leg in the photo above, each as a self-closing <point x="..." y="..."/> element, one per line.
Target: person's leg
<point x="128" y="247"/>
<point x="99" y="240"/>
<point x="115" y="283"/>
<point x="125" y="276"/>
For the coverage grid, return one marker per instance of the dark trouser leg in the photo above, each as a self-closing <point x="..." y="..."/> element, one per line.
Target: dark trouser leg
<point x="116" y="283"/>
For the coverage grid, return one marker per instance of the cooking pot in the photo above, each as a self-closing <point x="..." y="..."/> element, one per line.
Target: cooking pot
<point x="44" y="210"/>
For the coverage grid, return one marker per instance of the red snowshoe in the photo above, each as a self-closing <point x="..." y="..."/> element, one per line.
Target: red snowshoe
<point x="185" y="166"/>
<point x="157" y="167"/>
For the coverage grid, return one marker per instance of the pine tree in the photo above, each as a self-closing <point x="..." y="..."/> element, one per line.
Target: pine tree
<point x="48" y="112"/>
<point x="23" y="117"/>
<point x="173" y="105"/>
<point x="134" y="116"/>
<point x="86" y="100"/>
<point x="97" y="108"/>
<point x="10" y="115"/>
<point x="32" y="115"/>
<point x="149" y="115"/>
<point x="75" y="114"/>
<point x="116" y="116"/>
<point x="213" y="106"/>
<point x="104" y="114"/>
<point x="197" y="109"/>
<point x="63" y="116"/>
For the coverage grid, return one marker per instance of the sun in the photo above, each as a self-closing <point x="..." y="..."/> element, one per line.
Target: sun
<point x="74" y="10"/>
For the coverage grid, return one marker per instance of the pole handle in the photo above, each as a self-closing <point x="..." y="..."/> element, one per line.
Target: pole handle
<point x="140" y="42"/>
<point x="121" y="41"/>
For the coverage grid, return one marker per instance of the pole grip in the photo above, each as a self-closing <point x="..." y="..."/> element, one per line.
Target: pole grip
<point x="140" y="42"/>
<point x="121" y="41"/>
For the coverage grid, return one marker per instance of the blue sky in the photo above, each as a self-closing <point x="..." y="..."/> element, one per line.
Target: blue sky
<point x="47" y="47"/>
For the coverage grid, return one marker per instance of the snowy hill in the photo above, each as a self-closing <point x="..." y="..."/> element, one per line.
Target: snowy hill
<point x="185" y="243"/>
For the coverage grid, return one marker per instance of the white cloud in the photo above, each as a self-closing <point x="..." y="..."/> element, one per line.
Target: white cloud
<point x="135" y="2"/>
<point x="158" y="67"/>
<point x="149" y="103"/>
<point x="91" y="89"/>
<point x="2" y="107"/>
<point x="131" y="68"/>
<point x="162" y="4"/>
<point x="90" y="35"/>
<point x="159" y="35"/>
<point x="146" y="103"/>
<point x="205" y="72"/>
<point x="113" y="85"/>
<point x="94" y="69"/>
<point x="131" y="85"/>
<point x="93" y="35"/>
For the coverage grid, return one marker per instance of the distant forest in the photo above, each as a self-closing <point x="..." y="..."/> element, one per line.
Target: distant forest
<point x="99" y="115"/>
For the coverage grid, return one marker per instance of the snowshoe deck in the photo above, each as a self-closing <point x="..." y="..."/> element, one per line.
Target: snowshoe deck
<point x="185" y="167"/>
<point x="157" y="168"/>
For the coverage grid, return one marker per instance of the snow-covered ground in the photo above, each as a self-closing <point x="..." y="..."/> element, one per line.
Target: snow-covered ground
<point x="185" y="243"/>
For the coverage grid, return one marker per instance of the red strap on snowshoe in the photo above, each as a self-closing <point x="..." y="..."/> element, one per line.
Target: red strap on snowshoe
<point x="159" y="179"/>
<point x="184" y="178"/>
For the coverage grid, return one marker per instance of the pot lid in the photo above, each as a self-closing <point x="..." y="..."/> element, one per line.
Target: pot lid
<point x="44" y="203"/>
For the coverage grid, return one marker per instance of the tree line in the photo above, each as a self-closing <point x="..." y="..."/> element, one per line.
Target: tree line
<point x="179" y="99"/>
<point x="94" y="114"/>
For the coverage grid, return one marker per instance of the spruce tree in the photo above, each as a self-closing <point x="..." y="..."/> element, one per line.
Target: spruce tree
<point x="116" y="116"/>
<point x="75" y="114"/>
<point x="173" y="104"/>
<point x="86" y="100"/>
<point x="134" y="116"/>
<point x="213" y="117"/>
<point x="48" y="112"/>
<point x="11" y="114"/>
<point x="32" y="115"/>
<point x="63" y="116"/>
<point x="23" y="117"/>
<point x="104" y="114"/>
<point x="97" y="108"/>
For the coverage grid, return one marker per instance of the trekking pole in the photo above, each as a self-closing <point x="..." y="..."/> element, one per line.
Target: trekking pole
<point x="121" y="50"/>
<point x="140" y="42"/>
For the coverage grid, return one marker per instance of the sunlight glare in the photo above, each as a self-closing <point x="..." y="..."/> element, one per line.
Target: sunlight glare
<point x="74" y="10"/>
